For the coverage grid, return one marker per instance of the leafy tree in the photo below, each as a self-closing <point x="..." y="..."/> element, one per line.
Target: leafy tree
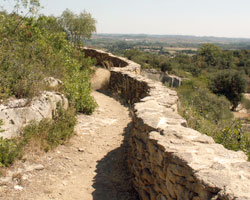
<point x="229" y="83"/>
<point x="226" y="60"/>
<point x="209" y="54"/>
<point x="78" y="26"/>
<point x="39" y="49"/>
<point x="31" y="6"/>
<point x="166" y="66"/>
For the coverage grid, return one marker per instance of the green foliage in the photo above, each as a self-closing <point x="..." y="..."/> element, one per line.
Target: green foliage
<point x="1" y="123"/>
<point x="232" y="137"/>
<point x="28" y="6"/>
<point x="209" y="54"/>
<point x="9" y="151"/>
<point x="210" y="114"/>
<point x="79" y="27"/>
<point x="49" y="134"/>
<point x="38" y="49"/>
<point x="77" y="89"/>
<point x="32" y="49"/>
<point x="229" y="83"/>
<point x="166" y="66"/>
<point x="204" y="103"/>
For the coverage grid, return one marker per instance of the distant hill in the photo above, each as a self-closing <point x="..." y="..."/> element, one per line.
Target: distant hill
<point x="177" y="40"/>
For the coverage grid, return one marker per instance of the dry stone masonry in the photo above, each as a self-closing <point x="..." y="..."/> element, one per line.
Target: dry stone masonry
<point x="164" y="77"/>
<point x="168" y="159"/>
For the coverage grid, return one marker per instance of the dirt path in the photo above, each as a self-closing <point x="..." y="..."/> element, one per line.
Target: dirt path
<point x="91" y="166"/>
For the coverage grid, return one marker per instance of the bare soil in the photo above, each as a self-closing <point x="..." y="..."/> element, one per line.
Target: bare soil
<point x="91" y="166"/>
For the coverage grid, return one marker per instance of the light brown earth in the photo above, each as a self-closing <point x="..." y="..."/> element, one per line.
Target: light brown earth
<point x="91" y="166"/>
<point x="100" y="79"/>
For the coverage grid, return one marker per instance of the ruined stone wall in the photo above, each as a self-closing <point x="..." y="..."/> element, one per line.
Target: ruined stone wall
<point x="109" y="60"/>
<point x="172" y="80"/>
<point x="169" y="160"/>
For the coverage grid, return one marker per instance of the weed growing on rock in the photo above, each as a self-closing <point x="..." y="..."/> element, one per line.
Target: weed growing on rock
<point x="48" y="134"/>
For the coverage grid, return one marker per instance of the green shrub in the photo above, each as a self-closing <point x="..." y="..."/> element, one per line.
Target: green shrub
<point x="232" y="137"/>
<point x="1" y="123"/>
<point x="51" y="133"/>
<point x="229" y="83"/>
<point x="48" y="133"/>
<point x="166" y="66"/>
<point x="39" y="48"/>
<point x="77" y="88"/>
<point x="9" y="151"/>
<point x="210" y="114"/>
<point x="204" y="103"/>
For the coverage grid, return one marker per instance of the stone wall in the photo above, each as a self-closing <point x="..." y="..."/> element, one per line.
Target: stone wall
<point x="168" y="159"/>
<point x="172" y="80"/>
<point x="103" y="58"/>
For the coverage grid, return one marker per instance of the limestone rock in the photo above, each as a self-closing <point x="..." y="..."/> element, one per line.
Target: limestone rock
<point x="52" y="82"/>
<point x="33" y="167"/>
<point x="18" y="113"/>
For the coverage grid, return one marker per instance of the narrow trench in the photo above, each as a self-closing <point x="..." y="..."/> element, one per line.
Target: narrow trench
<point x="113" y="180"/>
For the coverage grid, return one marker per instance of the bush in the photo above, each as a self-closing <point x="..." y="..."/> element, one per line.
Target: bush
<point x="38" y="48"/>
<point x="165" y="66"/>
<point x="233" y="138"/>
<point x="51" y="133"/>
<point x="204" y="103"/>
<point x="9" y="151"/>
<point x="229" y="83"/>
<point x="210" y="114"/>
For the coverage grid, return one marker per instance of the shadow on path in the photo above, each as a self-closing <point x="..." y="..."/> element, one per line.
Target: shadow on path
<point x="113" y="180"/>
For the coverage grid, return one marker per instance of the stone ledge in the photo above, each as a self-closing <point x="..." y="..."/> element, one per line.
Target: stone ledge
<point x="18" y="113"/>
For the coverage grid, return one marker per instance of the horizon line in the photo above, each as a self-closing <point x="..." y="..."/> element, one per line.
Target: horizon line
<point x="226" y="37"/>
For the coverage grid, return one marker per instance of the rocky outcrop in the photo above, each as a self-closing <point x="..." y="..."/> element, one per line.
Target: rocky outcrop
<point x="18" y="113"/>
<point x="52" y="82"/>
<point x="172" y="80"/>
<point x="169" y="160"/>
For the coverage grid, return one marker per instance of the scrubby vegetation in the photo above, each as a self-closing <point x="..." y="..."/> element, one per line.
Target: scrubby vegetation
<point x="36" y="49"/>
<point x="32" y="48"/>
<point x="46" y="134"/>
<point x="214" y="81"/>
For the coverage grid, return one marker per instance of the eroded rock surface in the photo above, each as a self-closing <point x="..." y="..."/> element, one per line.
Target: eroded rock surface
<point x="18" y="113"/>
<point x="164" y="77"/>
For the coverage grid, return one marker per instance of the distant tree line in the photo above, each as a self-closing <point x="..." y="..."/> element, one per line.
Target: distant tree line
<point x="227" y="71"/>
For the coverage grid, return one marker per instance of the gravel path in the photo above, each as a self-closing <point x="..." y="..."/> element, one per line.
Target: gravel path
<point x="91" y="166"/>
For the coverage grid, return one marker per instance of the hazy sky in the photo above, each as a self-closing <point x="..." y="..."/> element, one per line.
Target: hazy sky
<point x="228" y="18"/>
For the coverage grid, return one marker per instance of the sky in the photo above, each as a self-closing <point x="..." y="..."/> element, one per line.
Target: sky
<point x="221" y="18"/>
